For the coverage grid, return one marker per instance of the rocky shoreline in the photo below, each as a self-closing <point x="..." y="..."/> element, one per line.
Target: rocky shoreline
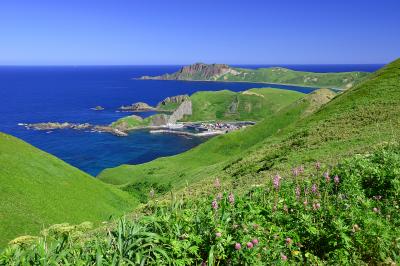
<point x="75" y="126"/>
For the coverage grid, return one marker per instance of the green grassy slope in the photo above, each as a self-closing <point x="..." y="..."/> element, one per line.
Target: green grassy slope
<point x="208" y="157"/>
<point x="287" y="76"/>
<point x="254" y="104"/>
<point x="37" y="190"/>
<point x="353" y="122"/>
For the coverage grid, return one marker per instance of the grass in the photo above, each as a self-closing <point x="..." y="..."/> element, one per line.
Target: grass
<point x="254" y="104"/>
<point x="130" y="122"/>
<point x="315" y="216"/>
<point x="38" y="190"/>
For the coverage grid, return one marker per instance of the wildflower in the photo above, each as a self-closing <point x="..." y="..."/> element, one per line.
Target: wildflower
<point x="316" y="206"/>
<point x="217" y="184"/>
<point x="327" y="177"/>
<point x="375" y="209"/>
<point x="276" y="181"/>
<point x="317" y="165"/>
<point x="255" y="226"/>
<point x="214" y="204"/>
<point x="298" y="192"/>
<point x="255" y="241"/>
<point x="218" y="234"/>
<point x="288" y="241"/>
<point x="151" y="193"/>
<point x="203" y="263"/>
<point x="314" y="188"/>
<point x="235" y="226"/>
<point x="283" y="256"/>
<point x="231" y="198"/>
<point x="249" y="245"/>
<point x="378" y="197"/>
<point x="285" y="208"/>
<point x="238" y="246"/>
<point x="336" y="179"/>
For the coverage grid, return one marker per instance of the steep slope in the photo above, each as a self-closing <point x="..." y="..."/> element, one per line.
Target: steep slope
<point x="207" y="158"/>
<point x="353" y="122"/>
<point x="38" y="190"/>
<point x="279" y="75"/>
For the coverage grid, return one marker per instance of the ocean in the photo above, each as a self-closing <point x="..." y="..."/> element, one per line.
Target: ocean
<point x="32" y="94"/>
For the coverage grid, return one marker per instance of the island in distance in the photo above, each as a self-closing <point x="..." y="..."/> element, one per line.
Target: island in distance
<point x="272" y="75"/>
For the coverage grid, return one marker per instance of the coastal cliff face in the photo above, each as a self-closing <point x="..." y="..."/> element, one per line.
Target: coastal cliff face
<point x="198" y="71"/>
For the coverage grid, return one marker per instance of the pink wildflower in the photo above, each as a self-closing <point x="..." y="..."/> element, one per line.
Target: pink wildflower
<point x="288" y="241"/>
<point x="317" y="165"/>
<point x="231" y="198"/>
<point x="295" y="171"/>
<point x="255" y="241"/>
<point x="249" y="245"/>
<point x="327" y="177"/>
<point x="218" y="234"/>
<point x="336" y="179"/>
<point x="238" y="246"/>
<point x="283" y="256"/>
<point x="276" y="181"/>
<point x="314" y="188"/>
<point x="214" y="204"/>
<point x="301" y="169"/>
<point x="316" y="206"/>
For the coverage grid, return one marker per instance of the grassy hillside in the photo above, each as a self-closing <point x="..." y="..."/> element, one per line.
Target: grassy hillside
<point x="207" y="157"/>
<point x="287" y="76"/>
<point x="254" y="104"/>
<point x="38" y="190"/>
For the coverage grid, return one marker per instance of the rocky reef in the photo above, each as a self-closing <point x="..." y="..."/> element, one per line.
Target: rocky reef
<point x="85" y="126"/>
<point x="98" y="108"/>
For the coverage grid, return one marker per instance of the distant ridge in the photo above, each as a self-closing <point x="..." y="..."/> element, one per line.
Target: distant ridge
<point x="278" y="75"/>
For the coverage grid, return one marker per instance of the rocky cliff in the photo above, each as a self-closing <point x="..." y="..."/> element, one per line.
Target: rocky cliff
<point x="137" y="107"/>
<point x="198" y="71"/>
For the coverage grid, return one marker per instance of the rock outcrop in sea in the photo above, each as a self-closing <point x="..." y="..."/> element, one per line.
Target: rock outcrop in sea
<point x="137" y="107"/>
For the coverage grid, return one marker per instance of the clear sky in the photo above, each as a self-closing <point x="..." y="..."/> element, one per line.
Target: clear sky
<point x="81" y="32"/>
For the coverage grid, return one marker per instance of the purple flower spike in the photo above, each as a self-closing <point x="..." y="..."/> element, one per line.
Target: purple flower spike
<point x="238" y="246"/>
<point x="231" y="198"/>
<point x="214" y="204"/>
<point x="327" y="177"/>
<point x="314" y="188"/>
<point x="336" y="179"/>
<point x="276" y="181"/>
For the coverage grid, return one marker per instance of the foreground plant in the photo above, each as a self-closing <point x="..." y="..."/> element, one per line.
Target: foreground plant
<point x="345" y="215"/>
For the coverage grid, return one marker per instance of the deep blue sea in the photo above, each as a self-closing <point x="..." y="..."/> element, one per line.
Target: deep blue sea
<point x="66" y="94"/>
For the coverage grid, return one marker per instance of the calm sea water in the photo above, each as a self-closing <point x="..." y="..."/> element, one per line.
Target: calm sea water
<point x="66" y="94"/>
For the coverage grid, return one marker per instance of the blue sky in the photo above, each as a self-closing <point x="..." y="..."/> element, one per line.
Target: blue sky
<point x="81" y="32"/>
